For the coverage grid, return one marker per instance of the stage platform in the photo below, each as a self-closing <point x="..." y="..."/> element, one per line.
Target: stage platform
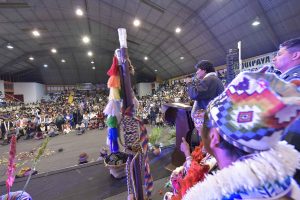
<point x="90" y="181"/>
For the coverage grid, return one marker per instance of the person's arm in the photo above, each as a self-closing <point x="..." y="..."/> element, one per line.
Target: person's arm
<point x="200" y="90"/>
<point x="185" y="148"/>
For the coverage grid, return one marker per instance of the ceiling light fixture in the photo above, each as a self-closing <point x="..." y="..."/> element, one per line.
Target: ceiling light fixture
<point x="31" y="58"/>
<point x="94" y="67"/>
<point x="136" y="22"/>
<point x="45" y="65"/>
<point x="92" y="62"/>
<point x="9" y="46"/>
<point x="53" y="50"/>
<point x="36" y="33"/>
<point x="181" y="58"/>
<point x="145" y="58"/>
<point x="256" y="22"/>
<point x="79" y="12"/>
<point x="90" y="53"/>
<point x="63" y="60"/>
<point x="155" y="70"/>
<point x="177" y="30"/>
<point x="85" y="39"/>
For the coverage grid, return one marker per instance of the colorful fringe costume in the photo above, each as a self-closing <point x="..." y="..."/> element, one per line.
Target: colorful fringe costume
<point x="113" y="108"/>
<point x="136" y="145"/>
<point x="135" y="134"/>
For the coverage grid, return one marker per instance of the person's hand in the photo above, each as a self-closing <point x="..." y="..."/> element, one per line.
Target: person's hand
<point x="185" y="147"/>
<point x="195" y="78"/>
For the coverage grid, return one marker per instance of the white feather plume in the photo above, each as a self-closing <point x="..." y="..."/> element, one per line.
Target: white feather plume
<point x="266" y="166"/>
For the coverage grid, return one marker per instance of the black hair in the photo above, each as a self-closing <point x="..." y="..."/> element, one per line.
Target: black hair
<point x="292" y="44"/>
<point x="205" y="65"/>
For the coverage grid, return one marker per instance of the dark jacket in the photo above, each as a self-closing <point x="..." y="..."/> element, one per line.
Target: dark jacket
<point x="292" y="133"/>
<point x="291" y="74"/>
<point x="205" y="90"/>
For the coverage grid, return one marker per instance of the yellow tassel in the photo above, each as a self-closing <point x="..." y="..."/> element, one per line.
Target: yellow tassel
<point x="114" y="94"/>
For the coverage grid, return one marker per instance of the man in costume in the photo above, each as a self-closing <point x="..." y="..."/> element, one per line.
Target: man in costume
<point x="242" y="129"/>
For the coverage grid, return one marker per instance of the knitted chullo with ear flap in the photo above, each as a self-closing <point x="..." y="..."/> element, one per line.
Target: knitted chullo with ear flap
<point x="252" y="115"/>
<point x="254" y="110"/>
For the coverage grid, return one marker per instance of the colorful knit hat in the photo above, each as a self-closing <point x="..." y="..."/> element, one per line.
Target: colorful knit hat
<point x="254" y="110"/>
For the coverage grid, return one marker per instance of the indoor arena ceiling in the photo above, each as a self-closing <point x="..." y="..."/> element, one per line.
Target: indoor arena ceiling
<point x="208" y="29"/>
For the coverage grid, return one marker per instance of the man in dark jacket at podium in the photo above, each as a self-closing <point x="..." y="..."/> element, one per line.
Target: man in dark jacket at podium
<point x="205" y="85"/>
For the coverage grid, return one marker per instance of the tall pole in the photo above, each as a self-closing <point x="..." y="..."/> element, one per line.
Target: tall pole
<point x="240" y="55"/>
<point x="127" y="103"/>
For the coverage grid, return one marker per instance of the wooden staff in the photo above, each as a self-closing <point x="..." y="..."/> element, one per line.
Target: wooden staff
<point x="127" y="103"/>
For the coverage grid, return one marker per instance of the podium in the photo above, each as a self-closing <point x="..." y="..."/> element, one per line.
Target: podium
<point x="179" y="114"/>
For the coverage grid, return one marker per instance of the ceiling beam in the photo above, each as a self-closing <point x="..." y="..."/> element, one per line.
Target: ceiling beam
<point x="87" y="18"/>
<point x="23" y="73"/>
<point x="169" y="34"/>
<point x="201" y="21"/>
<point x="24" y="57"/>
<point x="171" y="61"/>
<point x="150" y="69"/>
<point x="59" y="70"/>
<point x="160" y="67"/>
<point x="77" y="70"/>
<point x="12" y="62"/>
<point x="261" y="13"/>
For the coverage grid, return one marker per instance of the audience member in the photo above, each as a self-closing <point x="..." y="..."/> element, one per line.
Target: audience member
<point x="288" y="61"/>
<point x="242" y="129"/>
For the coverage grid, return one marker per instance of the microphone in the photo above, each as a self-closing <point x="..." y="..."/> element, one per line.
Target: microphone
<point x="195" y="78"/>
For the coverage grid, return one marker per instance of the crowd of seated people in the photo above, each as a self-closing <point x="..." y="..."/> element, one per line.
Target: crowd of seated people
<point x="56" y="115"/>
<point x="150" y="108"/>
<point x="53" y="117"/>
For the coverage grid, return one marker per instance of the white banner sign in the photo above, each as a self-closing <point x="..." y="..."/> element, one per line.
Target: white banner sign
<point x="251" y="64"/>
<point x="258" y="62"/>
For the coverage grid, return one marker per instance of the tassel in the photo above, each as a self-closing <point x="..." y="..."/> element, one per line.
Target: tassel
<point x="147" y="173"/>
<point x="112" y="122"/>
<point x="113" y="138"/>
<point x="114" y="82"/>
<point x="114" y="94"/>
<point x="113" y="108"/>
<point x="114" y="70"/>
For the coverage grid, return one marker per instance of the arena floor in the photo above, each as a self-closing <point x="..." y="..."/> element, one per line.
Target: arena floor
<point x="60" y="177"/>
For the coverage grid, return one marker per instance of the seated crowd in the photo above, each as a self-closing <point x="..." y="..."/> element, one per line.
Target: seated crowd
<point x="53" y="117"/>
<point x="150" y="109"/>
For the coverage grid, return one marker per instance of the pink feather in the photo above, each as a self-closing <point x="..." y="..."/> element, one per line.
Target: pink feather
<point x="11" y="164"/>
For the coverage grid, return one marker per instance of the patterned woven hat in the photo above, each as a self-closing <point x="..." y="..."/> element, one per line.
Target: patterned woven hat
<point x="254" y="110"/>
